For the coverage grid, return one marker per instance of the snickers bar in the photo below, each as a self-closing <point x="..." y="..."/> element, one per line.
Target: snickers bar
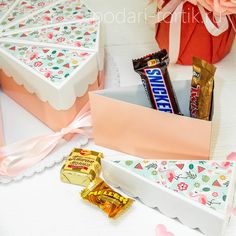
<point x="156" y="80"/>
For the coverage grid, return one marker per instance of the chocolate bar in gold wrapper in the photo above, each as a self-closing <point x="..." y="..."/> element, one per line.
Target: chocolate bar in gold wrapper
<point x="81" y="167"/>
<point x="103" y="196"/>
<point x="202" y="89"/>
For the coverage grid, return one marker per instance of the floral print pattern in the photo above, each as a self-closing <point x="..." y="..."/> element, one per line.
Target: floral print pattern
<point x="55" y="65"/>
<point x="24" y="8"/>
<point x="4" y="6"/>
<point x="78" y="35"/>
<point x="182" y="186"/>
<point x="74" y="43"/>
<point x="205" y="182"/>
<point x="60" y="13"/>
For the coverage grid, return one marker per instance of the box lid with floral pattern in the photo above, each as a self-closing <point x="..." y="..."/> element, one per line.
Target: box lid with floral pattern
<point x="52" y="48"/>
<point x="196" y="192"/>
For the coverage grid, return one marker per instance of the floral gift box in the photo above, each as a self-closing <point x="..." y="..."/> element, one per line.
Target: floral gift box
<point x="198" y="193"/>
<point x="51" y="56"/>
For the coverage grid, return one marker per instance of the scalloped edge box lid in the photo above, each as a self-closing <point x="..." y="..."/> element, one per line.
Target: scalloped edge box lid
<point x="199" y="193"/>
<point x="62" y="59"/>
<point x="58" y="12"/>
<point x="22" y="9"/>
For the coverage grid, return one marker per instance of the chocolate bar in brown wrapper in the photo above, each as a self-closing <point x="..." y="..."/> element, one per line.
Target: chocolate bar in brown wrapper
<point x="156" y="80"/>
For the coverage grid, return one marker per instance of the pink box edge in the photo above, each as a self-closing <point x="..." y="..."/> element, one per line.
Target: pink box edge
<point x="127" y="145"/>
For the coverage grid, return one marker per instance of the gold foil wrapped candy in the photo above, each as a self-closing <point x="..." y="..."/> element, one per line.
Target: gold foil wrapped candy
<point x="202" y="89"/>
<point x="103" y="196"/>
<point x="81" y="167"/>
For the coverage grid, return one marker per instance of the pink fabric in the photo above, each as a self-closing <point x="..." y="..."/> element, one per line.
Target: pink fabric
<point x="17" y="157"/>
<point x="1" y="129"/>
<point x="231" y="156"/>
<point x="219" y="6"/>
<point x="162" y="231"/>
<point x="223" y="7"/>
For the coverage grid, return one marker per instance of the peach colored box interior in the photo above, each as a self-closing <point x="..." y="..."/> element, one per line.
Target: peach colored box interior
<point x="122" y="120"/>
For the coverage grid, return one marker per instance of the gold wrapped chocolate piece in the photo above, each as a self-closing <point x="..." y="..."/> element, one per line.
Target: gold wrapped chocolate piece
<point x="103" y="196"/>
<point x="81" y="167"/>
<point x="202" y="89"/>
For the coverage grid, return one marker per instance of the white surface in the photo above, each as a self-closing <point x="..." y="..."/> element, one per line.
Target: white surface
<point x="42" y="205"/>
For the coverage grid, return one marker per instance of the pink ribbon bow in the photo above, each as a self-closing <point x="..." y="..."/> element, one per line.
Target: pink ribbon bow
<point x="17" y="157"/>
<point x="175" y="8"/>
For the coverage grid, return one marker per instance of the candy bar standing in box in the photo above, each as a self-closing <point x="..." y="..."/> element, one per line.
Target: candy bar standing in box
<point x="156" y="80"/>
<point x="81" y="167"/>
<point x="177" y="188"/>
<point x="202" y="89"/>
<point x="49" y="68"/>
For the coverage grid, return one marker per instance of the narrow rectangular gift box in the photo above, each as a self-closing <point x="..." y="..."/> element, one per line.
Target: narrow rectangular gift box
<point x="198" y="193"/>
<point x="49" y="67"/>
<point x="123" y="120"/>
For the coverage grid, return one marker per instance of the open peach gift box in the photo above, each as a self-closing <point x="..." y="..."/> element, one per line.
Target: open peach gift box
<point x="123" y="120"/>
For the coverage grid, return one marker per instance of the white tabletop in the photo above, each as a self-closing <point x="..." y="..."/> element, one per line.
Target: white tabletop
<point x="42" y="205"/>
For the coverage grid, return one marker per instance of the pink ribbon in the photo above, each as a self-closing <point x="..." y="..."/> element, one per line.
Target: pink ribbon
<point x="175" y="8"/>
<point x="1" y="129"/>
<point x="17" y="157"/>
<point x="161" y="230"/>
<point x="231" y="156"/>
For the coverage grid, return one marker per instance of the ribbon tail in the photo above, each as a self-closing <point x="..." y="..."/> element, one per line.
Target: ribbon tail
<point x="19" y="147"/>
<point x="231" y="156"/>
<point x="175" y="34"/>
<point x="232" y="23"/>
<point x="222" y="23"/>
<point x="164" y="13"/>
<point x="16" y="158"/>
<point x="13" y="165"/>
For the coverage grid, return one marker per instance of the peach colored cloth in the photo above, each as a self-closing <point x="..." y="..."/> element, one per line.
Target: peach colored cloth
<point x="56" y="120"/>
<point x="148" y="133"/>
<point x="219" y="6"/>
